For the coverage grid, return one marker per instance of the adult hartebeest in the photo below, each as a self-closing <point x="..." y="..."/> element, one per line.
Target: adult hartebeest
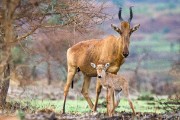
<point x="111" y="49"/>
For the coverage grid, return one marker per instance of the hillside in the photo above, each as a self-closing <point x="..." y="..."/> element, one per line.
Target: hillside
<point x="155" y="47"/>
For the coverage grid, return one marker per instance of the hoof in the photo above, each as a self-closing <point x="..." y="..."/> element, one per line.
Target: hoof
<point x="95" y="113"/>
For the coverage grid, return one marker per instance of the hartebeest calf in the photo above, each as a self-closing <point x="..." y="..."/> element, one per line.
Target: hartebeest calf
<point x="114" y="85"/>
<point x="113" y="49"/>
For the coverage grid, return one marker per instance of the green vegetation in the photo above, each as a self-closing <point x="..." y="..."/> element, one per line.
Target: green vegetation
<point x="81" y="106"/>
<point x="146" y="96"/>
<point x="142" y="9"/>
<point x="156" y="42"/>
<point x="119" y="3"/>
<point x="158" y="50"/>
<point x="19" y="56"/>
<point x="148" y="9"/>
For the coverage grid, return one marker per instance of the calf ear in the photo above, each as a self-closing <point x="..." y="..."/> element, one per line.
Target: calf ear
<point x="136" y="27"/>
<point x="93" y="65"/>
<point x="107" y="65"/>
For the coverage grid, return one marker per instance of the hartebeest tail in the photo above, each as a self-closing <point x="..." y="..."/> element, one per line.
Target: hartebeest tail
<point x="112" y="49"/>
<point x="114" y="85"/>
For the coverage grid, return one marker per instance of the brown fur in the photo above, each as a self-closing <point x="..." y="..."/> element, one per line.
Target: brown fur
<point x="85" y="52"/>
<point x="109" y="49"/>
<point x="114" y="85"/>
<point x="9" y="117"/>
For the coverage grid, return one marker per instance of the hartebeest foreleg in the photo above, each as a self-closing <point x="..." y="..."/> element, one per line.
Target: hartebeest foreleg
<point x="98" y="91"/>
<point x="84" y="91"/>
<point x="70" y="75"/>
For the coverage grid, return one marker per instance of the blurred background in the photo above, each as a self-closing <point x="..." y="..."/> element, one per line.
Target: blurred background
<point x="153" y="66"/>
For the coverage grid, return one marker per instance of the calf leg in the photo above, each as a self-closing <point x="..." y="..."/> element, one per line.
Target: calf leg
<point x="107" y="100"/>
<point x="108" y="97"/>
<point x="117" y="95"/>
<point x="126" y="93"/>
<point x="70" y="75"/>
<point x="98" y="91"/>
<point x="110" y="102"/>
<point x="113" y="103"/>
<point x="84" y="91"/>
<point x="131" y="105"/>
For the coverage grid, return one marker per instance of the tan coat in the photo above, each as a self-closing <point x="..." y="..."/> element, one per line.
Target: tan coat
<point x="96" y="51"/>
<point x="114" y="85"/>
<point x="110" y="49"/>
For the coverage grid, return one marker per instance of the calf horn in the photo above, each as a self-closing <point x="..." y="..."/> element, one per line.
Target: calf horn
<point x="120" y="17"/>
<point x="131" y="14"/>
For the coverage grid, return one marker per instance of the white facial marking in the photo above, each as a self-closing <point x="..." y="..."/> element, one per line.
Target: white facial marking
<point x="93" y="65"/>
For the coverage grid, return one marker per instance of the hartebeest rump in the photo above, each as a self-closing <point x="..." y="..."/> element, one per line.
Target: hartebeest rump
<point x="114" y="85"/>
<point x="111" y="49"/>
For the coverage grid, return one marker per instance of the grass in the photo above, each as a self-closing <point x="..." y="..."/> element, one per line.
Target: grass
<point x="158" y="46"/>
<point x="160" y="51"/>
<point x="81" y="106"/>
<point x="158" y="65"/>
<point x="149" y="9"/>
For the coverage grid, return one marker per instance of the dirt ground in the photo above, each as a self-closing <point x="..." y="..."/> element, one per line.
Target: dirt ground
<point x="100" y="116"/>
<point x="92" y="116"/>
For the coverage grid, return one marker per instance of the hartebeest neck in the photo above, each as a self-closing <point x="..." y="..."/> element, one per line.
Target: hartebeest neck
<point x="120" y="47"/>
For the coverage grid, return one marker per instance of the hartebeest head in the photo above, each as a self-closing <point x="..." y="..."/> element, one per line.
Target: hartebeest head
<point x="125" y="31"/>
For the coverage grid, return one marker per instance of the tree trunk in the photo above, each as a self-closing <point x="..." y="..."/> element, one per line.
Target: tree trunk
<point x="137" y="77"/>
<point x="33" y="72"/>
<point x="6" y="36"/>
<point x="4" y="85"/>
<point x="4" y="75"/>
<point x="49" y="73"/>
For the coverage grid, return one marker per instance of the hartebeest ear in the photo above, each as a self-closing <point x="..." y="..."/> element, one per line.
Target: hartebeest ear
<point x="107" y="65"/>
<point x="135" y="28"/>
<point x="116" y="28"/>
<point x="93" y="65"/>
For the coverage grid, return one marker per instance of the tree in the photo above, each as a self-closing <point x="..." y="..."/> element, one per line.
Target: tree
<point x="21" y="18"/>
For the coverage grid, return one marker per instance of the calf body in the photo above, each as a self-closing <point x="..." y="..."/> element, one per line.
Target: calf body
<point x="114" y="85"/>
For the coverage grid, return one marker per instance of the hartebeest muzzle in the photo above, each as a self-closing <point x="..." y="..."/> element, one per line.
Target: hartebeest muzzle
<point x="125" y="54"/>
<point x="125" y="51"/>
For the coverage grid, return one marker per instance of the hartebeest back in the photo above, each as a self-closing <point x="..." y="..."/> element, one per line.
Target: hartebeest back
<point x="114" y="85"/>
<point x="110" y="49"/>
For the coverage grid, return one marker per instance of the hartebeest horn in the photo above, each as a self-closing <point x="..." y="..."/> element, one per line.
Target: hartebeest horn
<point x="120" y="17"/>
<point x="131" y="14"/>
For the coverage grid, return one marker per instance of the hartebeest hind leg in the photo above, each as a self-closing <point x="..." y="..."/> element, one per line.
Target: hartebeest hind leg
<point x="70" y="75"/>
<point x="98" y="91"/>
<point x="84" y="91"/>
